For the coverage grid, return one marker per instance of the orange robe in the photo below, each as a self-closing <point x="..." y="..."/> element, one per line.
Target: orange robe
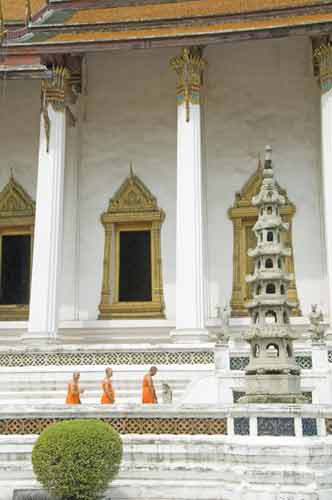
<point x="73" y="394"/>
<point x="105" y="399"/>
<point x="148" y="395"/>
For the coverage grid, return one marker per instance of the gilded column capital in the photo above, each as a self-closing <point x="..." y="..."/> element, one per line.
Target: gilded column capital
<point x="189" y="68"/>
<point x="54" y="94"/>
<point x="54" y="90"/>
<point x="323" y="58"/>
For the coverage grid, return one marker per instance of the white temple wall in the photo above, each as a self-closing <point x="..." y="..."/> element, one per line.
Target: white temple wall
<point x="255" y="93"/>
<point x="130" y="116"/>
<point x="19" y="133"/>
<point x="262" y="93"/>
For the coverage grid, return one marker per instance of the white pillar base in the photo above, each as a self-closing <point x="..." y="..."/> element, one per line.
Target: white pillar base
<point x="186" y="336"/>
<point x="38" y="339"/>
<point x="221" y="358"/>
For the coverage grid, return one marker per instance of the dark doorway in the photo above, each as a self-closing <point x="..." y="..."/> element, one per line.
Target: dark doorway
<point x="135" y="266"/>
<point x="15" y="269"/>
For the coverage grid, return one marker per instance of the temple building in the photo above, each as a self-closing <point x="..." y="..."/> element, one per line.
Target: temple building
<point x="132" y="137"/>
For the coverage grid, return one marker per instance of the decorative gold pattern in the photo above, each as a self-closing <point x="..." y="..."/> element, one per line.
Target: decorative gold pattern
<point x="54" y="93"/>
<point x="28" y="14"/>
<point x="189" y="68"/>
<point x="133" y="208"/>
<point x="244" y="215"/>
<point x="2" y="24"/>
<point x="178" y="426"/>
<point x="17" y="214"/>
<point x="323" y="57"/>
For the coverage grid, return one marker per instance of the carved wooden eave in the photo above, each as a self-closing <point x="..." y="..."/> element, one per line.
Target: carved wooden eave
<point x="17" y="216"/>
<point x="243" y="215"/>
<point x="81" y="26"/>
<point x="243" y="204"/>
<point x="133" y="200"/>
<point x="15" y="203"/>
<point x="133" y="207"/>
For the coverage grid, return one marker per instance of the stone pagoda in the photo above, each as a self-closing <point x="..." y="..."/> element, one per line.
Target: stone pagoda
<point x="272" y="375"/>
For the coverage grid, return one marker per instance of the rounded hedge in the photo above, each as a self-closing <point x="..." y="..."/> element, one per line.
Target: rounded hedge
<point x="76" y="459"/>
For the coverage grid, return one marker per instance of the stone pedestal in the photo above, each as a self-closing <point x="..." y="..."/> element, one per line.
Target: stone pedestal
<point x="273" y="389"/>
<point x="221" y="357"/>
<point x="321" y="367"/>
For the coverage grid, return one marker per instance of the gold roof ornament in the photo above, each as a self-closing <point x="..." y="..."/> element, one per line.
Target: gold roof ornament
<point x="28" y="15"/>
<point x="2" y="25"/>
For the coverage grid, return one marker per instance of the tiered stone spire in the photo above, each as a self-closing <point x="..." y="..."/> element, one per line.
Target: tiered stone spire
<point x="272" y="373"/>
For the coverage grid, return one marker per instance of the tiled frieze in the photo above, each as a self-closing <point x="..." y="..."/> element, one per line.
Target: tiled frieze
<point x="240" y="362"/>
<point x="192" y="426"/>
<point x="275" y="426"/>
<point x="12" y="359"/>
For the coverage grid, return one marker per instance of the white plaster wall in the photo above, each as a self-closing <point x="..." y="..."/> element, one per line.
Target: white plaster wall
<point x="19" y="143"/>
<point x="19" y="133"/>
<point x="261" y="93"/>
<point x="255" y="93"/>
<point x="130" y="115"/>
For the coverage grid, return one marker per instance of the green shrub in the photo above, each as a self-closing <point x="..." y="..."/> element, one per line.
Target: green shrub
<point x="76" y="459"/>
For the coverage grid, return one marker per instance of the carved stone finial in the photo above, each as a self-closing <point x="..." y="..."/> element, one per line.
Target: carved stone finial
<point x="189" y="67"/>
<point x="316" y="328"/>
<point x="131" y="169"/>
<point x="259" y="164"/>
<point x="323" y="58"/>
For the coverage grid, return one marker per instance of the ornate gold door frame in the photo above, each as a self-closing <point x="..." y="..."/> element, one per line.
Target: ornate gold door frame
<point x="133" y="208"/>
<point x="17" y="217"/>
<point x="244" y="215"/>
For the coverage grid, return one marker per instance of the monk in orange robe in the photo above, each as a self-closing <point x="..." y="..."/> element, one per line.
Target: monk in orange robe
<point x="73" y="390"/>
<point x="108" y="396"/>
<point x="148" y="391"/>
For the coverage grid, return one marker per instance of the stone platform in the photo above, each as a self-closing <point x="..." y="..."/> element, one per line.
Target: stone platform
<point x="176" y="452"/>
<point x="184" y="451"/>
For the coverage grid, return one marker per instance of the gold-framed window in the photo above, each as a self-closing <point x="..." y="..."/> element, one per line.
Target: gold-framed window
<point x="132" y="276"/>
<point x="17" y="217"/>
<point x="243" y="216"/>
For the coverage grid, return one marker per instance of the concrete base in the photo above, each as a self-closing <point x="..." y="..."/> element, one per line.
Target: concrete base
<point x="272" y="399"/>
<point x="275" y="385"/>
<point x="172" y="468"/>
<point x="189" y="336"/>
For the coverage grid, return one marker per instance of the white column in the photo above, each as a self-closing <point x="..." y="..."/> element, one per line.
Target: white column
<point x="190" y="297"/>
<point x="47" y="250"/>
<point x="324" y="59"/>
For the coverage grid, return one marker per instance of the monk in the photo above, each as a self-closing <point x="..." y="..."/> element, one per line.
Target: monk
<point x="73" y="390"/>
<point x="148" y="391"/>
<point x="108" y="396"/>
